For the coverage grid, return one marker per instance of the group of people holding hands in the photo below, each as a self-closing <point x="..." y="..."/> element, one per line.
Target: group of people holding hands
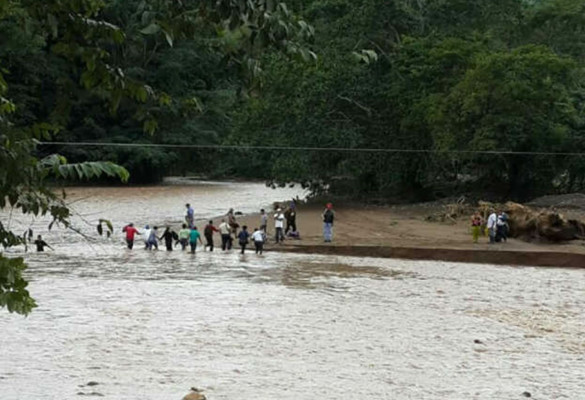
<point x="228" y="229"/>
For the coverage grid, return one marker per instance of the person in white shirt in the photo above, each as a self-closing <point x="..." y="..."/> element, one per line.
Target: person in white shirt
<point x="226" y="237"/>
<point x="258" y="237"/>
<point x="279" y="225"/>
<point x="492" y="225"/>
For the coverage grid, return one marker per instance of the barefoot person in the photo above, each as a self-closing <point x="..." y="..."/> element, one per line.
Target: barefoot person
<point x="476" y="222"/>
<point x="130" y="233"/>
<point x="328" y="217"/>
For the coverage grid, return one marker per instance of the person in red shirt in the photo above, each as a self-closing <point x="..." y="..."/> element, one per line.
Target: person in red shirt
<point x="130" y="232"/>
<point x="208" y="233"/>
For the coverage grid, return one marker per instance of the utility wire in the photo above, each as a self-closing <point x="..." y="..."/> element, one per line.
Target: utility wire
<point x="291" y="148"/>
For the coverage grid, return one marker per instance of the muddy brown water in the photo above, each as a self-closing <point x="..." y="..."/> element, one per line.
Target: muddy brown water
<point x="141" y="325"/>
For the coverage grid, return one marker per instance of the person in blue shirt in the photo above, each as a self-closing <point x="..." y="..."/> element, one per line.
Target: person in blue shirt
<point x="243" y="237"/>
<point x="194" y="236"/>
<point x="190" y="217"/>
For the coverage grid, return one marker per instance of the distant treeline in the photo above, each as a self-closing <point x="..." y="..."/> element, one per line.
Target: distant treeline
<point x="451" y="77"/>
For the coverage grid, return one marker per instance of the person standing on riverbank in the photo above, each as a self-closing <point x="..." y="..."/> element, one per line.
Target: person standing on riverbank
<point x="184" y="236"/>
<point x="328" y="217"/>
<point x="263" y="221"/>
<point x="279" y="225"/>
<point x="476" y="222"/>
<point x="291" y="218"/>
<point x="492" y="226"/>
<point x="208" y="233"/>
<point x="259" y="237"/>
<point x="130" y="233"/>
<point x="243" y="238"/>
<point x="226" y="239"/>
<point x="190" y="217"/>
<point x="194" y="236"/>
<point x="168" y="236"/>
<point x="233" y="224"/>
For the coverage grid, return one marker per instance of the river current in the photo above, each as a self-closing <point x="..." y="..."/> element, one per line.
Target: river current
<point x="125" y="324"/>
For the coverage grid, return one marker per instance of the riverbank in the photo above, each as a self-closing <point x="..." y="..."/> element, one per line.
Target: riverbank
<point x="403" y="232"/>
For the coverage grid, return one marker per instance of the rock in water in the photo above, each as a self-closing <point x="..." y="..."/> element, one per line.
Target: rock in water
<point x="195" y="395"/>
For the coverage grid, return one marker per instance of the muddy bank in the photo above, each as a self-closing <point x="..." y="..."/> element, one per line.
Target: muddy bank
<point x="498" y="257"/>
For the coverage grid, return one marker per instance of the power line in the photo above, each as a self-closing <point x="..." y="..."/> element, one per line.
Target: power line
<point x="291" y="148"/>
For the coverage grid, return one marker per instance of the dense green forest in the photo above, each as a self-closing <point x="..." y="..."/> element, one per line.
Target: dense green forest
<point x="445" y="78"/>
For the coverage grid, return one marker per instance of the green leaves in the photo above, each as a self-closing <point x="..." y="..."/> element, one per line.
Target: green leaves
<point x="13" y="293"/>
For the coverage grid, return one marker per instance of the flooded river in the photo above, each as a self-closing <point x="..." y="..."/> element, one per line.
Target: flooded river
<point x="140" y="325"/>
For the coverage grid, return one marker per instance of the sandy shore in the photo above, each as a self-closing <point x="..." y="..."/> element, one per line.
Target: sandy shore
<point x="404" y="232"/>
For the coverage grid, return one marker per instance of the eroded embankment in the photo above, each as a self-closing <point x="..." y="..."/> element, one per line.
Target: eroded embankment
<point x="498" y="257"/>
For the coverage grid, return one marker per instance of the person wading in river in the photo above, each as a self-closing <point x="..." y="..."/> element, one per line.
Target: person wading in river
<point x="243" y="238"/>
<point x="190" y="217"/>
<point x="130" y="232"/>
<point x="169" y="235"/>
<point x="194" y="236"/>
<point x="226" y="239"/>
<point x="208" y="233"/>
<point x="184" y="236"/>
<point x="259" y="237"/>
<point x="232" y="221"/>
<point x="41" y="244"/>
<point x="328" y="217"/>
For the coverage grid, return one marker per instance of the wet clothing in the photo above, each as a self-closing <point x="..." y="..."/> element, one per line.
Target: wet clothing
<point x="243" y="240"/>
<point x="168" y="236"/>
<point x="152" y="240"/>
<point x="193" y="237"/>
<point x="232" y="222"/>
<point x="184" y="237"/>
<point x="258" y="238"/>
<point x="130" y="233"/>
<point x="190" y="217"/>
<point x="226" y="239"/>
<point x="41" y="244"/>
<point x="208" y="233"/>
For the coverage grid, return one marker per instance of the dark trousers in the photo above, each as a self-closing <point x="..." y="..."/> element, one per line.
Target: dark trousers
<point x="290" y="225"/>
<point x="193" y="247"/>
<point x="226" y="242"/>
<point x="259" y="246"/>
<point x="243" y="246"/>
<point x="279" y="235"/>
<point x="209" y="239"/>
<point x="183" y="243"/>
<point x="169" y="245"/>
<point x="130" y="243"/>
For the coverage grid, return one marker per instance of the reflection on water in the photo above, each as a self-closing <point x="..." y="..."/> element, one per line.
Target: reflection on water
<point x="149" y="325"/>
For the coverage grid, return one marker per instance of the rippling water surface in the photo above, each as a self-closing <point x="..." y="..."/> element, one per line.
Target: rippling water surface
<point x="283" y="326"/>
